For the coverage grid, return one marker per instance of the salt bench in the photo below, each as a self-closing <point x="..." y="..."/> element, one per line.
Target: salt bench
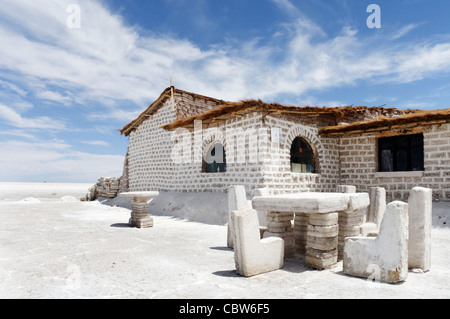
<point x="140" y="216"/>
<point x="321" y="219"/>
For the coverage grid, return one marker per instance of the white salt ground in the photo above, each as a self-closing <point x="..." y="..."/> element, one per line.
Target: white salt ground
<point x="54" y="247"/>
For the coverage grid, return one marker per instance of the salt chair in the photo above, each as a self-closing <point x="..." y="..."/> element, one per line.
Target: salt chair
<point x="253" y="255"/>
<point x="375" y="212"/>
<point x="237" y="200"/>
<point x="384" y="258"/>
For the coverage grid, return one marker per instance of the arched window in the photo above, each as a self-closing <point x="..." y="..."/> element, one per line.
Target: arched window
<point x="302" y="157"/>
<point x="215" y="159"/>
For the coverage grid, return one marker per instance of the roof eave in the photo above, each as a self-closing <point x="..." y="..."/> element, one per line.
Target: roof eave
<point x="143" y="116"/>
<point x="424" y="118"/>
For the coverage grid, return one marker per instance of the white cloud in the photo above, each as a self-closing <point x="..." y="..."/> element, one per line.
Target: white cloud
<point x="54" y="161"/>
<point x="53" y="96"/>
<point x="19" y="133"/>
<point x="116" y="70"/>
<point x="96" y="143"/>
<point x="287" y="6"/>
<point x="10" y="86"/>
<point x="404" y="30"/>
<point x="42" y="122"/>
<point x="108" y="61"/>
<point x="423" y="61"/>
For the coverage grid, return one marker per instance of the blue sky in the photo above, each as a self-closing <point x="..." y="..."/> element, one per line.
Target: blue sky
<point x="64" y="91"/>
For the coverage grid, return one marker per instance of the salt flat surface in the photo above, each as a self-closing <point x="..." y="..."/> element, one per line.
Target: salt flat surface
<point x="66" y="249"/>
<point x="41" y="191"/>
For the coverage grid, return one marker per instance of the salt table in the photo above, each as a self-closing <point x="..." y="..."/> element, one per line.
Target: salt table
<point x="320" y="217"/>
<point x="140" y="216"/>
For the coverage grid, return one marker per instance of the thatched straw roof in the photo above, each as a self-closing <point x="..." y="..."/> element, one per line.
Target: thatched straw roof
<point x="155" y="106"/>
<point x="418" y="118"/>
<point x="230" y="110"/>
<point x="381" y="117"/>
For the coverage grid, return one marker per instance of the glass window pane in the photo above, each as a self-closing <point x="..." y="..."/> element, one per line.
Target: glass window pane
<point x="387" y="162"/>
<point x="401" y="153"/>
<point x="211" y="168"/>
<point x="401" y="141"/>
<point x="215" y="159"/>
<point x="402" y="160"/>
<point x="302" y="157"/>
<point x="417" y="140"/>
<point x="417" y="159"/>
<point x="385" y="143"/>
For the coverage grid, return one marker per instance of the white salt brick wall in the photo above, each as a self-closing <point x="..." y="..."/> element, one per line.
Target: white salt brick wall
<point x="149" y="163"/>
<point x="278" y="175"/>
<point x="150" y="166"/>
<point x="246" y="172"/>
<point x="350" y="160"/>
<point x="359" y="166"/>
<point x="358" y="161"/>
<point x="437" y="161"/>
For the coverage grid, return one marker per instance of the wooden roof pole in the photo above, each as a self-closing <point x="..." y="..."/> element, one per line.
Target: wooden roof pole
<point x="171" y="95"/>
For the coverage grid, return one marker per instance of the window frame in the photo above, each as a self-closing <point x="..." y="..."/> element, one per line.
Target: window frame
<point x="410" y="146"/>
<point x="310" y="161"/>
<point x="209" y="150"/>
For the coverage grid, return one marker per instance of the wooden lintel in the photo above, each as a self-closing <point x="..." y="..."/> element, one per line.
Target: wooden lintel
<point x="410" y="131"/>
<point x="435" y="122"/>
<point x="405" y="126"/>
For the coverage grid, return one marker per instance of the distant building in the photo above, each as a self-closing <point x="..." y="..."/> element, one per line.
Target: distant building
<point x="186" y="142"/>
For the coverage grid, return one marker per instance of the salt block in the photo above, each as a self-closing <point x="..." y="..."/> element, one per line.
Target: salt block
<point x="387" y="253"/>
<point x="323" y="231"/>
<point x="358" y="201"/>
<point x="375" y="212"/>
<point x="354" y="218"/>
<point x="324" y="219"/>
<point x="321" y="259"/>
<point x="237" y="200"/>
<point x="303" y="202"/>
<point x="261" y="192"/>
<point x="262" y="214"/>
<point x="346" y="189"/>
<point x="289" y="241"/>
<point x="420" y="220"/>
<point x="279" y="217"/>
<point x="377" y="205"/>
<point x="146" y="222"/>
<point x="369" y="230"/>
<point x="322" y="243"/>
<point x="253" y="255"/>
<point x="279" y="227"/>
<point x="349" y="231"/>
